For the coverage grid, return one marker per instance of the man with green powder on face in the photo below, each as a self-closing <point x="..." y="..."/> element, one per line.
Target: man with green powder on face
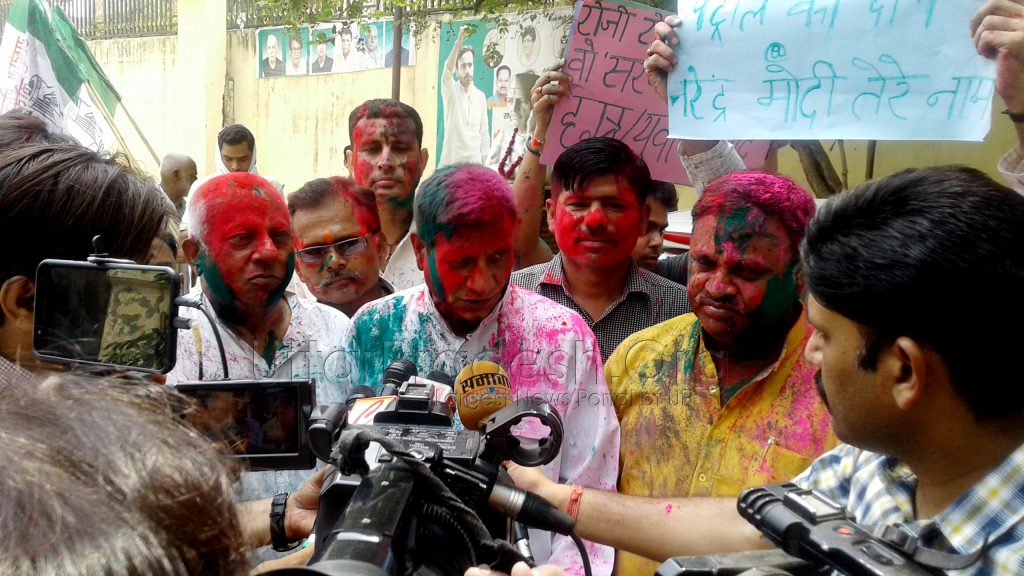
<point x="466" y="310"/>
<point x="242" y="247"/>
<point x="722" y="398"/>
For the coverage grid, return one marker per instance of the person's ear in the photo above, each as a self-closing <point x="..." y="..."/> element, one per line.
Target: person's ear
<point x="907" y="370"/>
<point x="420" y="249"/>
<point x="17" y="300"/>
<point x="645" y="216"/>
<point x="424" y="157"/>
<point x="550" y="206"/>
<point x="191" y="249"/>
<point x="348" y="161"/>
<point x="382" y="248"/>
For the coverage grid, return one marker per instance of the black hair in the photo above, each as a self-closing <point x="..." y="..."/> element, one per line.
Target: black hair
<point x="315" y="193"/>
<point x="505" y="68"/>
<point x="235" y="134"/>
<point x="385" y="108"/>
<point x="529" y="31"/>
<point x="587" y="159"/>
<point x="665" y="193"/>
<point x="891" y="255"/>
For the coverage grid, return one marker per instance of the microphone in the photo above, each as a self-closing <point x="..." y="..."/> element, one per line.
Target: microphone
<point x="395" y="375"/>
<point x="481" y="389"/>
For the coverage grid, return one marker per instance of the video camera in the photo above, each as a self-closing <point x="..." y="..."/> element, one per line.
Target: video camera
<point x="409" y="495"/>
<point x="419" y="505"/>
<point x="108" y="314"/>
<point x="815" y="534"/>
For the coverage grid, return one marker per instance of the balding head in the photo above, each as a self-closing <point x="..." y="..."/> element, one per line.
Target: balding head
<point x="177" y="173"/>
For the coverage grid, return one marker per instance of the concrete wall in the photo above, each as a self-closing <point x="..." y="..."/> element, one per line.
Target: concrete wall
<point x="172" y="88"/>
<point x="143" y="71"/>
<point x="301" y="123"/>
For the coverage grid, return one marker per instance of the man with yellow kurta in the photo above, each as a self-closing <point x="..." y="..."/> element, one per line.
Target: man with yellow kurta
<point x="722" y="398"/>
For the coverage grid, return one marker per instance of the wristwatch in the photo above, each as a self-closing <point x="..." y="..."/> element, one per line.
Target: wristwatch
<point x="278" y="538"/>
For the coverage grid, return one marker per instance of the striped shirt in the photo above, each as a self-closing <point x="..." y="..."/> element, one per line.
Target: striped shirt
<point x="880" y="490"/>
<point x="647" y="299"/>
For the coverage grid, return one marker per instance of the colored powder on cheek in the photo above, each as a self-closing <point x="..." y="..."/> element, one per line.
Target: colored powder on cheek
<point x="276" y="296"/>
<point x="435" y="276"/>
<point x="779" y="297"/>
<point x="215" y="281"/>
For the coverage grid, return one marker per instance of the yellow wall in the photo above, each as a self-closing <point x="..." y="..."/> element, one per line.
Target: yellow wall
<point x="301" y="123"/>
<point x="893" y="156"/>
<point x="143" y="71"/>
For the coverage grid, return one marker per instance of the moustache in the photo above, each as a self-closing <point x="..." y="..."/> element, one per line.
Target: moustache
<point x="335" y="276"/>
<point x="703" y="299"/>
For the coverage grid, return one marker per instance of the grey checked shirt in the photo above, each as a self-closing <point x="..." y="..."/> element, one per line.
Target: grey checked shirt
<point x="647" y="299"/>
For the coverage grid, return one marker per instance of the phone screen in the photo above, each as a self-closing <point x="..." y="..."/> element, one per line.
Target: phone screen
<point x="117" y="316"/>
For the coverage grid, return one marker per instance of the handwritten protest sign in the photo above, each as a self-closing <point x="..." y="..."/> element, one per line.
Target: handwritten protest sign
<point x="800" y="69"/>
<point x="610" y="95"/>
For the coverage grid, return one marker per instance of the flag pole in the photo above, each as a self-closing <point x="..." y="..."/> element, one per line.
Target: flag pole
<point x="117" y="131"/>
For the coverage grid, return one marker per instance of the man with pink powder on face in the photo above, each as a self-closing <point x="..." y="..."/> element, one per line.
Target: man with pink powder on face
<point x="721" y="399"/>
<point x="468" y="311"/>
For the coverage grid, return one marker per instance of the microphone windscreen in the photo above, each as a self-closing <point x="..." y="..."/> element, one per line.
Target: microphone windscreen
<point x="440" y="378"/>
<point x="398" y="372"/>
<point x="481" y="389"/>
<point x="359" y="391"/>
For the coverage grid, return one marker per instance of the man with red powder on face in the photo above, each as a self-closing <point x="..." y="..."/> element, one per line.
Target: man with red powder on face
<point x="721" y="399"/>
<point x="339" y="245"/>
<point x="388" y="158"/>
<point x="242" y="248"/>
<point x="468" y="311"/>
<point x="597" y="210"/>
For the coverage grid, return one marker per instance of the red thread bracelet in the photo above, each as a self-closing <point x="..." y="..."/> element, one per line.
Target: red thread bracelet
<point x="572" y="506"/>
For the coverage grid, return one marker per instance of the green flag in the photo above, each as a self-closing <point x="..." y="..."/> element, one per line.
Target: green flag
<point x="52" y="74"/>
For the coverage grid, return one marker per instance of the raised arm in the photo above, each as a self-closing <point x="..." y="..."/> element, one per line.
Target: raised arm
<point x="449" y="63"/>
<point x="998" y="32"/>
<point x="528" y="188"/>
<point x="704" y="160"/>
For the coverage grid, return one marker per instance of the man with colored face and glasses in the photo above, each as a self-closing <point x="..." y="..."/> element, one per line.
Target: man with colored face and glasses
<point x="242" y="247"/>
<point x="340" y="248"/>
<point x="468" y="311"/>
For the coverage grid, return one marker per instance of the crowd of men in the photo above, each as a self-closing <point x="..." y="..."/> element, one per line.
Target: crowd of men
<point x="799" y="344"/>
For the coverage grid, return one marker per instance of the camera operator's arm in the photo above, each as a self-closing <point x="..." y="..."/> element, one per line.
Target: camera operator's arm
<point x="299" y="513"/>
<point x="590" y="448"/>
<point x="656" y="528"/>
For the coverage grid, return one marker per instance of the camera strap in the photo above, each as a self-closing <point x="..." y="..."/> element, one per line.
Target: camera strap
<point x="901" y="537"/>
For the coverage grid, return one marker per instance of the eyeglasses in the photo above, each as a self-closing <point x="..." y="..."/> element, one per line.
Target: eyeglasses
<point x="344" y="248"/>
